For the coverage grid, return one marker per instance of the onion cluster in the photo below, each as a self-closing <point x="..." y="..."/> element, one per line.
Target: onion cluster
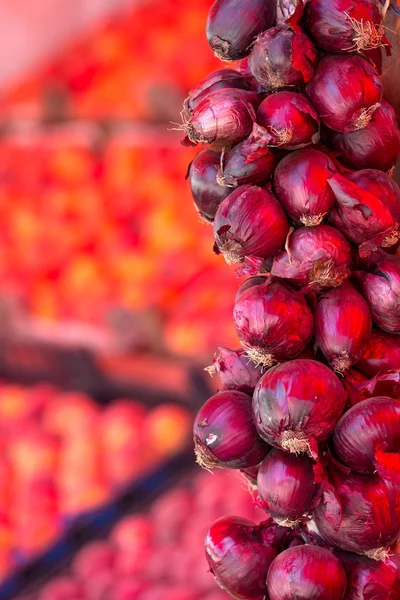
<point x="297" y="181"/>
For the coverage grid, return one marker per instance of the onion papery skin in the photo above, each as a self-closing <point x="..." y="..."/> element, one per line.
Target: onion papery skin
<point x="224" y="118"/>
<point x="359" y="513"/>
<point x="207" y="193"/>
<point x="368" y="579"/>
<point x="224" y="432"/>
<point x="376" y="146"/>
<point x="286" y="486"/>
<point x="301" y="185"/>
<point x="238" y="557"/>
<point x="247" y="163"/>
<point x="251" y="222"/>
<point x="236" y="371"/>
<point x="360" y="388"/>
<point x="286" y="9"/>
<point x="273" y="322"/>
<point x="297" y="404"/>
<point x="318" y="257"/>
<point x="343" y="326"/>
<point x="281" y="57"/>
<point x="217" y="80"/>
<point x="233" y="25"/>
<point x="381" y="185"/>
<point x="345" y="90"/>
<point x="362" y="216"/>
<point x="367" y="438"/>
<point x="382" y="354"/>
<point x="290" y="120"/>
<point x="334" y="25"/>
<point x="381" y="289"/>
<point x="306" y="572"/>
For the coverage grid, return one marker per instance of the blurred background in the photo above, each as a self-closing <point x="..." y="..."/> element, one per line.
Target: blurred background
<point x="111" y="304"/>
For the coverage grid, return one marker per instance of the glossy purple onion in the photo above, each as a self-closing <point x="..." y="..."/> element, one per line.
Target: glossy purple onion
<point x="318" y="256"/>
<point x="381" y="185"/>
<point x="224" y="433"/>
<point x="239" y="557"/>
<point x="250" y="222"/>
<point x="217" y="80"/>
<point x="301" y="184"/>
<point x="286" y="486"/>
<point x="376" y="146"/>
<point x="282" y="57"/>
<point x="369" y="579"/>
<point x="233" y="25"/>
<point x="382" y="354"/>
<point x="235" y="370"/>
<point x="273" y="322"/>
<point x="342" y="326"/>
<point x="206" y="191"/>
<point x="345" y="90"/>
<point x="381" y="288"/>
<point x="297" y="405"/>
<point x="306" y="572"/>
<point x="289" y="119"/>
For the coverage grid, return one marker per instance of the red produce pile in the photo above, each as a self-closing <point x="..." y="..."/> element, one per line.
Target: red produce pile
<point x="319" y="320"/>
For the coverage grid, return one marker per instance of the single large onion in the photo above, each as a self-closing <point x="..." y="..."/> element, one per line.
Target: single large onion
<point x="345" y="90"/>
<point x="306" y="572"/>
<point x="286" y="486"/>
<point x="236" y="371"/>
<point x="297" y="404"/>
<point x="316" y="256"/>
<point x="381" y="288"/>
<point x="381" y="185"/>
<point x="217" y="80"/>
<point x="376" y="146"/>
<point x="290" y="120"/>
<point x="282" y="57"/>
<point x="207" y="193"/>
<point x="342" y="326"/>
<point x="224" y="433"/>
<point x="362" y="216"/>
<point x="382" y="354"/>
<point x="301" y="184"/>
<point x="239" y="557"/>
<point x="232" y="26"/>
<point x="368" y="579"/>
<point x="367" y="438"/>
<point x="223" y="118"/>
<point x="359" y="513"/>
<point x="273" y="322"/>
<point x="251" y="222"/>
<point x="344" y="25"/>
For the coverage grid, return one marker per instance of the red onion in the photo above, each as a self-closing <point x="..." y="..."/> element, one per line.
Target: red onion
<point x="301" y="184"/>
<point x="297" y="404"/>
<point x="306" y="572"/>
<point x="286" y="486"/>
<point x="345" y="90"/>
<point x="220" y="79"/>
<point x="381" y="289"/>
<point x="282" y="57"/>
<point x="316" y="256"/>
<point x="342" y="326"/>
<point x="359" y="513"/>
<point x="381" y="185"/>
<point x="382" y="354"/>
<point x="362" y="216"/>
<point x="235" y="370"/>
<point x="250" y="222"/>
<point x="369" y="579"/>
<point x="238" y="557"/>
<point x="344" y="25"/>
<point x="224" y="433"/>
<point x="367" y="438"/>
<point x="359" y="388"/>
<point x="250" y="474"/>
<point x="244" y="68"/>
<point x="232" y="26"/>
<point x="291" y="122"/>
<point x="207" y="193"/>
<point x="250" y="161"/>
<point x="377" y="146"/>
<point x="273" y="322"/>
<point x="224" y="117"/>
